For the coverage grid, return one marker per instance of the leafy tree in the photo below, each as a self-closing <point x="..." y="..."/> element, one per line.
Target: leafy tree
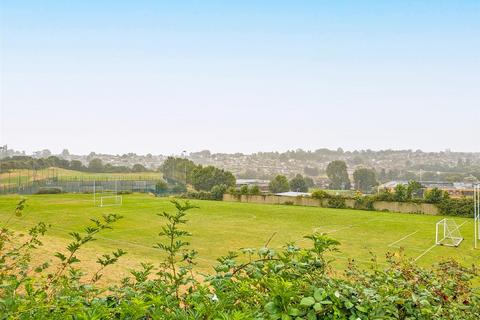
<point x="178" y="170"/>
<point x="204" y="178"/>
<point x="244" y="189"/>
<point x="138" y="168"/>
<point x="338" y="175"/>
<point x="309" y="181"/>
<point x="413" y="189"/>
<point x="364" y="179"/>
<point x="76" y="165"/>
<point x="218" y="191"/>
<point x="400" y="193"/>
<point x="435" y="195"/>
<point x="279" y="184"/>
<point x="161" y="186"/>
<point x="254" y="190"/>
<point x="298" y="184"/>
<point x="95" y="165"/>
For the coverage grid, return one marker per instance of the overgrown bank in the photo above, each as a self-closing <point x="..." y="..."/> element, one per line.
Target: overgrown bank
<point x="289" y="283"/>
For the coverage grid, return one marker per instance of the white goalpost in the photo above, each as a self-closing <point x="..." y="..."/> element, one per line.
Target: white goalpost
<point x="476" y="214"/>
<point x="106" y="198"/>
<point x="447" y="233"/>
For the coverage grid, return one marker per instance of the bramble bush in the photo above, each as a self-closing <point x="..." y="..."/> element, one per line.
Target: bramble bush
<point x="263" y="283"/>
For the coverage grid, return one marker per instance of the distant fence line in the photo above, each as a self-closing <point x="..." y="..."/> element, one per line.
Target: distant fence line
<point x="403" y="207"/>
<point x="78" y="185"/>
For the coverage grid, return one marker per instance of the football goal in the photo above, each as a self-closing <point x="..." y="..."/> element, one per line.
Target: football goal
<point x="447" y="233"/>
<point x="476" y="214"/>
<point x="104" y="196"/>
<point x="106" y="201"/>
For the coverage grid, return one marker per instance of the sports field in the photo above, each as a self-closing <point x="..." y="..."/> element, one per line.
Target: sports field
<point x="218" y="227"/>
<point x="23" y="176"/>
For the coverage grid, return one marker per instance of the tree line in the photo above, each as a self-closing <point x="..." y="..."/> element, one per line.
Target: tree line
<point x="203" y="178"/>
<point x="94" y="165"/>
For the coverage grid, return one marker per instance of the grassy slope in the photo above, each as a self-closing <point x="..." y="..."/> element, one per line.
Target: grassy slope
<point x="24" y="175"/>
<point x="220" y="226"/>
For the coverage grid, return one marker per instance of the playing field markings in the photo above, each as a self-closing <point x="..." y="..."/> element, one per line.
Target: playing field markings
<point x="425" y="252"/>
<point x="428" y="250"/>
<point x="408" y="235"/>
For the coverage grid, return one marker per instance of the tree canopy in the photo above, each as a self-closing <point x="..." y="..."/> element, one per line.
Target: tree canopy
<point x="279" y="184"/>
<point x="365" y="179"/>
<point x="338" y="175"/>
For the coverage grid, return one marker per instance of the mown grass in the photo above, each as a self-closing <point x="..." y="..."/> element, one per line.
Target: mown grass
<point x="219" y="227"/>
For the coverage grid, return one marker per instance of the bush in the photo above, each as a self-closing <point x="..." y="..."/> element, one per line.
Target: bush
<point x="337" y="202"/>
<point x="456" y="207"/>
<point x="364" y="202"/>
<point x="49" y="190"/>
<point x="254" y="190"/>
<point x="285" y="283"/>
<point x="320" y="194"/>
<point x="218" y="191"/>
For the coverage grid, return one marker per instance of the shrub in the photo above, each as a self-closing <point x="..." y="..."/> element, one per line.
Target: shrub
<point x="244" y="190"/>
<point x="49" y="190"/>
<point x="254" y="190"/>
<point x="456" y="207"/>
<point x="218" y="191"/>
<point x="320" y="194"/>
<point x="285" y="283"/>
<point x="435" y="195"/>
<point x="336" y="202"/>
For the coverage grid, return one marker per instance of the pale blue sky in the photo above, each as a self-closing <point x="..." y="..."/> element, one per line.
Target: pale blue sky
<point x="162" y="77"/>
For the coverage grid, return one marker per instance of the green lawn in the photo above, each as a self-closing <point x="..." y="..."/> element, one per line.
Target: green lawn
<point x="218" y="227"/>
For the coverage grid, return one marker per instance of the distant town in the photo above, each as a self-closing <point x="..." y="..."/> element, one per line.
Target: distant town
<point x="389" y="165"/>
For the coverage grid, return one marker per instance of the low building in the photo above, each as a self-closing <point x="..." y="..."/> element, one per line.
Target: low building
<point x="293" y="194"/>
<point x="454" y="189"/>
<point x="262" y="184"/>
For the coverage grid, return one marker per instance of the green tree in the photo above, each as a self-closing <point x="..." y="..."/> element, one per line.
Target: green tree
<point x="218" y="191"/>
<point x="400" y="193"/>
<point x="139" y="168"/>
<point x="298" y="184"/>
<point x="435" y="195"/>
<point x="178" y="170"/>
<point x="279" y="184"/>
<point x="204" y="178"/>
<point x="244" y="189"/>
<point x="414" y="189"/>
<point x="76" y="165"/>
<point x="254" y="190"/>
<point x="95" y="165"/>
<point x="161" y="186"/>
<point x="364" y="179"/>
<point x="338" y="175"/>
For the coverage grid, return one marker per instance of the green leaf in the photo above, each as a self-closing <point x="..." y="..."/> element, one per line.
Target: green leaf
<point x="307" y="301"/>
<point x="271" y="308"/>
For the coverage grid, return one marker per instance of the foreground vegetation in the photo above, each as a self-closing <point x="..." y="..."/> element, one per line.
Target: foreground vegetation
<point x="288" y="283"/>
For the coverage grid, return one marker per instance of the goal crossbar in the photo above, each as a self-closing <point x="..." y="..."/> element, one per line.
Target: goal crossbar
<point x="447" y="233"/>
<point x="117" y="201"/>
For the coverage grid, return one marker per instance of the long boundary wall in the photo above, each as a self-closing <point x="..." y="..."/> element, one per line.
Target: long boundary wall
<point x="402" y="207"/>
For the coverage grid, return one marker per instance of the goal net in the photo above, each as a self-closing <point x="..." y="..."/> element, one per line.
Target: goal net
<point x="447" y="233"/>
<point x="106" y="195"/>
<point x="106" y="201"/>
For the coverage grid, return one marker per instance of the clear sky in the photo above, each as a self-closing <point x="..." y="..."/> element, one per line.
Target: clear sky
<point x="162" y="77"/>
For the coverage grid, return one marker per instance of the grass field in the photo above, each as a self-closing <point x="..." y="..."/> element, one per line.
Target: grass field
<point x="218" y="227"/>
<point x="23" y="176"/>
